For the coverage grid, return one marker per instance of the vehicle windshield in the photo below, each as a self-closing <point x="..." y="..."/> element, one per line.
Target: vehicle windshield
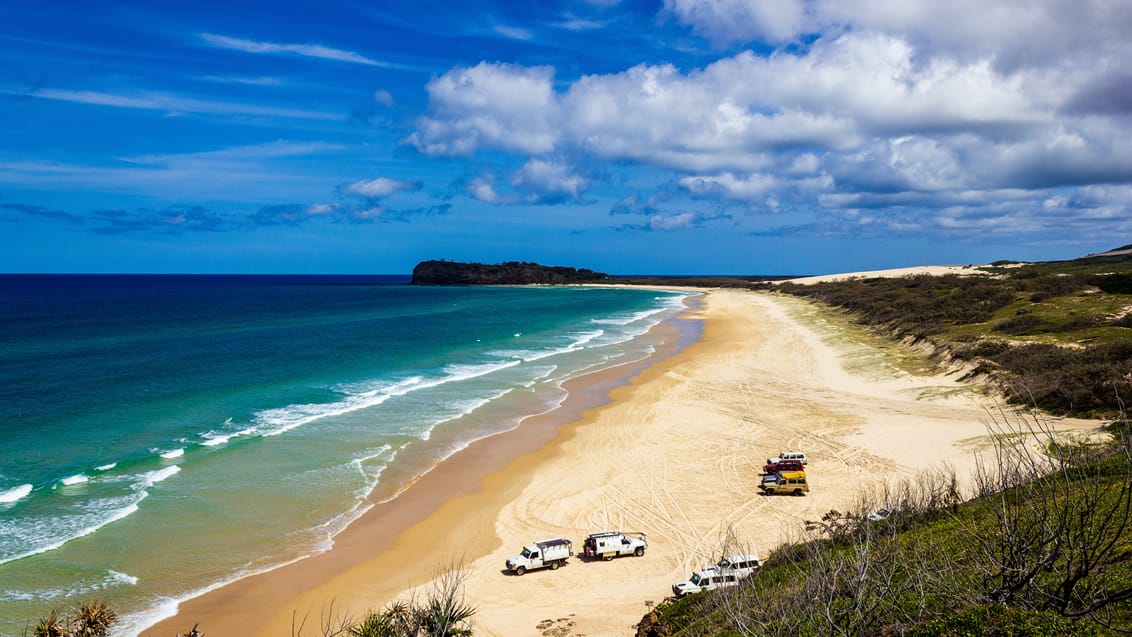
<point x="527" y="552"/>
<point x="696" y="579"/>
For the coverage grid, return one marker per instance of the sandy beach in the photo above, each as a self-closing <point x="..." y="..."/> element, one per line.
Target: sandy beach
<point x="676" y="452"/>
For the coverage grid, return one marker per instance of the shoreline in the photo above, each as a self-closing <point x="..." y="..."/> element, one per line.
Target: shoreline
<point x="257" y="599"/>
<point x="676" y="451"/>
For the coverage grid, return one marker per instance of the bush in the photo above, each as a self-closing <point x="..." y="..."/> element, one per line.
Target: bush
<point x="1022" y="324"/>
<point x="1002" y="620"/>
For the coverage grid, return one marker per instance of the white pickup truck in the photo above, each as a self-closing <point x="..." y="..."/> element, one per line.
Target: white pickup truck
<point x="609" y="544"/>
<point x="544" y="554"/>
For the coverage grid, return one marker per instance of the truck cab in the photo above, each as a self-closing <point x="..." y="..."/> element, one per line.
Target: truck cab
<point x="544" y="554"/>
<point x="610" y="544"/>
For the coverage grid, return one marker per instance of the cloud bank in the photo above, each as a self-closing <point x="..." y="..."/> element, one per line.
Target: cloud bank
<point x="1004" y="116"/>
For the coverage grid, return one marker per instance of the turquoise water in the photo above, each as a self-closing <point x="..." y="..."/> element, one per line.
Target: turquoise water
<point x="162" y="435"/>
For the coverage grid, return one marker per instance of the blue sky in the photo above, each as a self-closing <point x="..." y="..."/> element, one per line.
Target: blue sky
<point x="677" y="136"/>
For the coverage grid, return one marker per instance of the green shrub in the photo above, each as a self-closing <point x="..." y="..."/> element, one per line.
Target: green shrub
<point x="1004" y="621"/>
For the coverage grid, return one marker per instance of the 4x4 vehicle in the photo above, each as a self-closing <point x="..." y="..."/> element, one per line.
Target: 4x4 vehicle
<point x="792" y="455"/>
<point x="783" y="465"/>
<point x="741" y="565"/>
<point x="610" y="544"/>
<point x="793" y="482"/>
<point x="707" y="579"/>
<point x="545" y="554"/>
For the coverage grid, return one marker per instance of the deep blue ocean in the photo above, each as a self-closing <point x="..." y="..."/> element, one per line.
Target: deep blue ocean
<point x="160" y="435"/>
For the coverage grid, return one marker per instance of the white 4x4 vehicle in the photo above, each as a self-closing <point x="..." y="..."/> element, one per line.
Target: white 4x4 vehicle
<point x="741" y="565"/>
<point x="707" y="579"/>
<point x="610" y="544"/>
<point x="545" y="554"/>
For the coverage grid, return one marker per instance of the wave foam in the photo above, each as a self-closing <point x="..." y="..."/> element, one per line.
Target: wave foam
<point x="172" y="454"/>
<point x="15" y="494"/>
<point x="78" y="478"/>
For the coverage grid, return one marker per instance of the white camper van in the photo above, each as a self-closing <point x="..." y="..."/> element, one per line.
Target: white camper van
<point x="610" y="544"/>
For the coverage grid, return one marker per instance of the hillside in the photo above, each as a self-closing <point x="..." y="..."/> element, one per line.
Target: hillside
<point x="1057" y="335"/>
<point x="1032" y="554"/>
<point x="439" y="272"/>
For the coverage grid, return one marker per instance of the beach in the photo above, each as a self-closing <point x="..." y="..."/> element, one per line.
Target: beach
<point x="676" y="451"/>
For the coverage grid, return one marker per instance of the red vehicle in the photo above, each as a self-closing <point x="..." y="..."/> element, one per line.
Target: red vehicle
<point x="784" y="465"/>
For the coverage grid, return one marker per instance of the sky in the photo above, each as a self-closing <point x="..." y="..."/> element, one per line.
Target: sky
<point x="625" y="136"/>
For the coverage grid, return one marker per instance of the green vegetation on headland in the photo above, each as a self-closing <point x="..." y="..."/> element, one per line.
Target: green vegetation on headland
<point x="1044" y="548"/>
<point x="509" y="273"/>
<point x="1056" y="335"/>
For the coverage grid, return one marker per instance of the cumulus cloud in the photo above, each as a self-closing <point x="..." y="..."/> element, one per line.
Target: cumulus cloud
<point x="884" y="116"/>
<point x="489" y="105"/>
<point x="482" y="188"/>
<point x="549" y="181"/>
<point x="737" y="21"/>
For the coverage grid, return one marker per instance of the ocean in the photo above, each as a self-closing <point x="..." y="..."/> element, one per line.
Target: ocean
<point x="163" y="435"/>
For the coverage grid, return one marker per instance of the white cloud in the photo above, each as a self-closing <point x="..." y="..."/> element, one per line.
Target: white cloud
<point x="737" y="21"/>
<point x="273" y="48"/>
<point x="489" y="106"/>
<point x="174" y="104"/>
<point x="884" y="109"/>
<point x="482" y="188"/>
<point x="547" y="180"/>
<point x="377" y="187"/>
<point x="678" y="221"/>
<point x="1012" y="33"/>
<point x="753" y="187"/>
<point x="383" y="97"/>
<point x="580" y="24"/>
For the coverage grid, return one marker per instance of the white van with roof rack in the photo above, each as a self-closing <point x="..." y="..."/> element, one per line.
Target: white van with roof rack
<point x="787" y="455"/>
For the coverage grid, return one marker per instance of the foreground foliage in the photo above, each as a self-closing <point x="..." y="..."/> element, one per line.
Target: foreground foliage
<point x="443" y="613"/>
<point x="1042" y="548"/>
<point x="92" y="618"/>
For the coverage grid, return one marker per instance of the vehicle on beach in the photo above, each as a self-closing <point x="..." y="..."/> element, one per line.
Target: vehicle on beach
<point x="742" y="566"/>
<point x="792" y="455"/>
<point x="783" y="465"/>
<point x="610" y="544"/>
<point x="545" y="554"/>
<point x="707" y="579"/>
<point x="792" y="482"/>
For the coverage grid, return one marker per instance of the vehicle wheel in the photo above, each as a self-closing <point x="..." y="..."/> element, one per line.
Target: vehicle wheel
<point x="640" y="551"/>
<point x="607" y="557"/>
<point x="554" y="565"/>
<point x="520" y="570"/>
<point x="797" y="492"/>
